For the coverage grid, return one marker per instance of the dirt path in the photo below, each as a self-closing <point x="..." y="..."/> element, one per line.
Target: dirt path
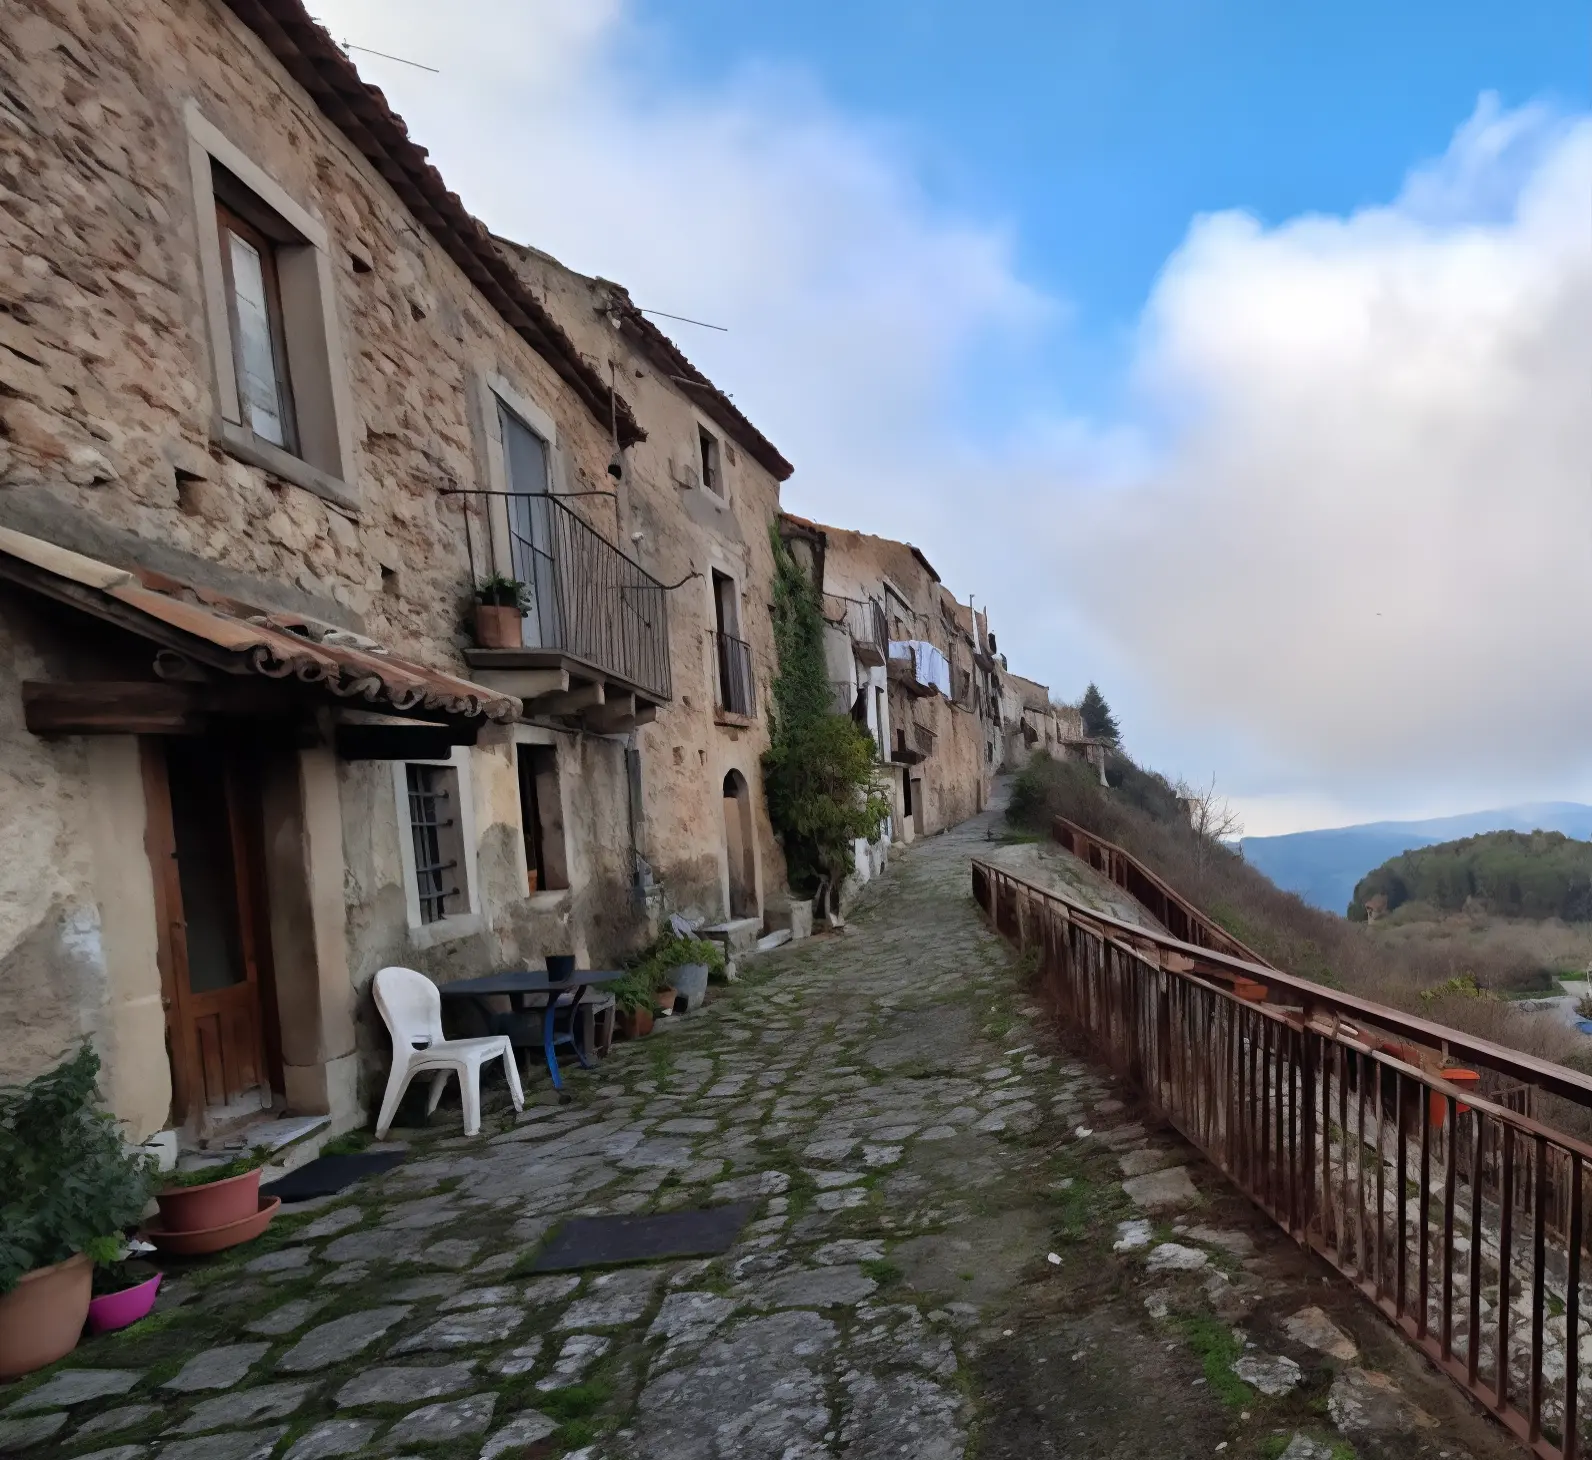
<point x="942" y="1260"/>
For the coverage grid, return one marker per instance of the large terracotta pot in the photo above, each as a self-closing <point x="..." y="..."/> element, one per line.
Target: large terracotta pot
<point x="497" y="627"/>
<point x="635" y="1023"/>
<point x="214" y="1239"/>
<point x="42" y="1317"/>
<point x="216" y="1204"/>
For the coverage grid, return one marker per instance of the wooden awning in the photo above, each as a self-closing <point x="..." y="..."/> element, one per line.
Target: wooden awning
<point x="229" y="638"/>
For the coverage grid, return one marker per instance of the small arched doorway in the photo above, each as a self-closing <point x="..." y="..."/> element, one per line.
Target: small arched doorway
<point x="738" y="846"/>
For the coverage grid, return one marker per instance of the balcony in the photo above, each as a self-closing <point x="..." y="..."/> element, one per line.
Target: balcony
<point x="914" y="744"/>
<point x="864" y="623"/>
<point x="596" y="624"/>
<point x="736" y="691"/>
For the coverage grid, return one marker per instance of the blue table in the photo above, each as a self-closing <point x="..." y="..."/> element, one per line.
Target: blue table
<point x="558" y="1015"/>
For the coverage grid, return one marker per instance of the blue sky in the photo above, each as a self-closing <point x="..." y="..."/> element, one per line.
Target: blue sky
<point x="1098" y="131"/>
<point x="1235" y="356"/>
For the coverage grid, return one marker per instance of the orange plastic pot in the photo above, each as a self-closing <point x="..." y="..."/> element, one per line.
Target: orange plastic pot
<point x="214" y="1239"/>
<point x="1439" y="1103"/>
<point x="635" y="1023"/>
<point x="42" y="1317"/>
<point x="204" y="1208"/>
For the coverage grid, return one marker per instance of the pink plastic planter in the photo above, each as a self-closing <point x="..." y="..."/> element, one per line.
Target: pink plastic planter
<point x="117" y="1310"/>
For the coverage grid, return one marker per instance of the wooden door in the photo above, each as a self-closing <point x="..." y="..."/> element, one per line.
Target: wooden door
<point x="211" y="924"/>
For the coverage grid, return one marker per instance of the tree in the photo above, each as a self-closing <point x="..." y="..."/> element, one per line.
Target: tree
<point x="1098" y="721"/>
<point x="1212" y="817"/>
<point x="819" y="770"/>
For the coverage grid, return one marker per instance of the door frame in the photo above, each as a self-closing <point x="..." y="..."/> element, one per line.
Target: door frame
<point x="160" y="843"/>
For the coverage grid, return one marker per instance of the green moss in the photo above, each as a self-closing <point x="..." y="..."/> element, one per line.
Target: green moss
<point x="574" y="1401"/>
<point x="1213" y="1342"/>
<point x="350" y="1143"/>
<point x="884" y="1273"/>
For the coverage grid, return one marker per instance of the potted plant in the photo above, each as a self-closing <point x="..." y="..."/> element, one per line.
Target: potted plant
<point x="499" y="604"/>
<point x="124" y="1292"/>
<point x="68" y="1186"/>
<point x="209" y="1196"/>
<point x="633" y="1004"/>
<point x="663" y="1000"/>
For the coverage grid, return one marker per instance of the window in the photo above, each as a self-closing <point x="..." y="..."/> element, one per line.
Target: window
<point x="259" y="345"/>
<point x="733" y="656"/>
<point x="542" y="818"/>
<point x="435" y="825"/>
<point x="712" y="478"/>
<point x="281" y="394"/>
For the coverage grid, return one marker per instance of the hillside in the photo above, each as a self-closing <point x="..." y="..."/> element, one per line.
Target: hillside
<point x="1459" y="970"/>
<point x="1507" y="874"/>
<point x="1324" y="866"/>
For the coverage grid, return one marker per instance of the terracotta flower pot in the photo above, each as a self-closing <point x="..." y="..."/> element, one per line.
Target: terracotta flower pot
<point x="497" y="627"/>
<point x="635" y="1023"/>
<point x="214" y="1239"/>
<point x="116" y="1310"/>
<point x="664" y="999"/>
<point x="201" y="1208"/>
<point x="42" y="1317"/>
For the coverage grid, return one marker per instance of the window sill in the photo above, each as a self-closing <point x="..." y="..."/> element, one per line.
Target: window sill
<point x="549" y="900"/>
<point x="242" y="443"/>
<point x="733" y="721"/>
<point x="446" y="930"/>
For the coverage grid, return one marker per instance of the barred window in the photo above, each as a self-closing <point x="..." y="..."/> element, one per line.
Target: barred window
<point x="438" y="840"/>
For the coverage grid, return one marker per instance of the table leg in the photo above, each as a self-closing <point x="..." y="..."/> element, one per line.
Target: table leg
<point x="549" y="1014"/>
<point x="575" y="1011"/>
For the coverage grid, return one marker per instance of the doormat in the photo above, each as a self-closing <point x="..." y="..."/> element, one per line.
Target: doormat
<point x="608" y="1241"/>
<point x="326" y="1175"/>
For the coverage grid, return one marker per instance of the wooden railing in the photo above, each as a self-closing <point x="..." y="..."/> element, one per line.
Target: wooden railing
<point x="1461" y="1218"/>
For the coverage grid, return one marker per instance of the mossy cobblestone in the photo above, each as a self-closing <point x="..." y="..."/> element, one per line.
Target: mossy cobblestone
<point x="887" y="1098"/>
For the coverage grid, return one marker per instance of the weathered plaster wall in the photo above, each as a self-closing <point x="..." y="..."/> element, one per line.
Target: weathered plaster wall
<point x="106" y="404"/>
<point x="685" y="529"/>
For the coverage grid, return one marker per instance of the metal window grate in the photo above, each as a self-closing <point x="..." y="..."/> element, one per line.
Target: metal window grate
<point x="430" y="822"/>
<point x="737" y="692"/>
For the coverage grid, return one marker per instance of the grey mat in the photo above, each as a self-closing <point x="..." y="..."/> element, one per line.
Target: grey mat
<point x="607" y="1241"/>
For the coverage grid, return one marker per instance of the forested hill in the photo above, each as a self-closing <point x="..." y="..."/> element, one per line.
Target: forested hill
<point x="1511" y="874"/>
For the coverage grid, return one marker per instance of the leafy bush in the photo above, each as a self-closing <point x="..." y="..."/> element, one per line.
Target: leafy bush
<point x="68" y="1183"/>
<point x="498" y="591"/>
<point x="820" y="771"/>
<point x="650" y="969"/>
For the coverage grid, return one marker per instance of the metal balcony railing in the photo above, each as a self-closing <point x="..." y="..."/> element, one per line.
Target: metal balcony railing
<point x="737" y="691"/>
<point x="864" y="621"/>
<point x="583" y="596"/>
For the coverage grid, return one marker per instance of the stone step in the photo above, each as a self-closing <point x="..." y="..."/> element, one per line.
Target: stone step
<point x="739" y="935"/>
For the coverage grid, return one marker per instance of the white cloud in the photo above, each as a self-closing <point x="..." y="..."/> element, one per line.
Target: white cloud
<point x="1340" y="544"/>
<point x="1369" y="543"/>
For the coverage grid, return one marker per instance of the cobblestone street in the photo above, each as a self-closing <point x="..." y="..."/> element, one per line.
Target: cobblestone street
<point x="942" y="1259"/>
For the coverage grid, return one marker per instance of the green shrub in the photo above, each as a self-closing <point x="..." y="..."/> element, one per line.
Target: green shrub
<point x="68" y="1183"/>
<point x="649" y="970"/>
<point x="820" y="772"/>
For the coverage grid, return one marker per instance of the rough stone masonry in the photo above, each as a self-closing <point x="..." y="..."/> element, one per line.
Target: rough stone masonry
<point x="966" y="1241"/>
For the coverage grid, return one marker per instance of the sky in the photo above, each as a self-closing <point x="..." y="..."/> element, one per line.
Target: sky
<point x="1236" y="356"/>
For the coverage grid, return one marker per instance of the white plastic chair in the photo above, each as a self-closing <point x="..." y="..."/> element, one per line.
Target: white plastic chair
<point x="412" y="1007"/>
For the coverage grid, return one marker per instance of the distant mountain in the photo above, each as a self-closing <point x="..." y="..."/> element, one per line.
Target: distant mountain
<point x="1323" y="866"/>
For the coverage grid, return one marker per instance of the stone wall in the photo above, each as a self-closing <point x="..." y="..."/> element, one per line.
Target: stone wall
<point x="681" y="532"/>
<point x="108" y="445"/>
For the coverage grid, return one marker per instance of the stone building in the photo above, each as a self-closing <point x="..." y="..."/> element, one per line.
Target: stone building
<point x="903" y="657"/>
<point x="257" y="369"/>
